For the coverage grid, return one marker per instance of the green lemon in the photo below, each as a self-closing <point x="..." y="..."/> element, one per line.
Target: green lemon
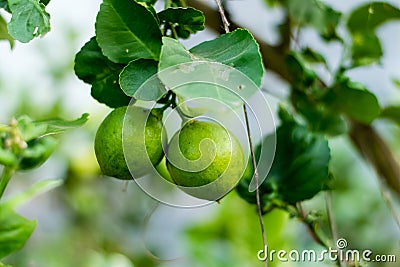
<point x="163" y="170"/>
<point x="143" y="151"/>
<point x="205" y="159"/>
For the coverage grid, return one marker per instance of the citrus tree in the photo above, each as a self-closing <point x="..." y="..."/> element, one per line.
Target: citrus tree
<point x="137" y="64"/>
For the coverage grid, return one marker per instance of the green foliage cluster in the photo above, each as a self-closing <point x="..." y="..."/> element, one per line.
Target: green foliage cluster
<point x="134" y="42"/>
<point x="24" y="145"/>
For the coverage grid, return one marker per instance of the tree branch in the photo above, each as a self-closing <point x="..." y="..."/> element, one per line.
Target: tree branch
<point x="365" y="138"/>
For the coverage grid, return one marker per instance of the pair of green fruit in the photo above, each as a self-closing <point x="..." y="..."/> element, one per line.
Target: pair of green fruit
<point x="203" y="158"/>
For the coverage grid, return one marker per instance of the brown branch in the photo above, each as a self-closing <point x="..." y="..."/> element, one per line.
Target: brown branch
<point x="365" y="138"/>
<point x="377" y="152"/>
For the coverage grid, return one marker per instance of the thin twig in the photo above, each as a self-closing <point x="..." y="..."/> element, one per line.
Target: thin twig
<point x="310" y="228"/>
<point x="332" y="224"/>
<point x="221" y="10"/>
<point x="389" y="202"/>
<point x="259" y="209"/>
<point x="253" y="157"/>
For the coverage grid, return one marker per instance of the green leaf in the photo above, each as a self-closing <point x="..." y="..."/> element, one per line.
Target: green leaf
<point x="366" y="49"/>
<point x="199" y="73"/>
<point x="237" y="49"/>
<point x="391" y="113"/>
<point x="173" y="53"/>
<point x="368" y="17"/>
<point x="300" y="168"/>
<point x="7" y="157"/>
<point x="312" y="56"/>
<point x="362" y="24"/>
<point x="183" y="21"/>
<point x="57" y="125"/>
<point x="302" y="76"/>
<point x="3" y="3"/>
<point x="45" y="2"/>
<point x="31" y="130"/>
<point x="317" y="14"/>
<point x="127" y="30"/>
<point x="4" y="35"/>
<point x="29" y="20"/>
<point x="37" y="189"/>
<point x="354" y="100"/>
<point x="37" y="152"/>
<point x="94" y="68"/>
<point x="135" y="74"/>
<point x="28" y="129"/>
<point x="319" y="117"/>
<point x="15" y="230"/>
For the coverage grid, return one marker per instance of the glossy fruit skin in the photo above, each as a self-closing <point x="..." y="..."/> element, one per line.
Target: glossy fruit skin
<point x="220" y="175"/>
<point x="163" y="170"/>
<point x="109" y="147"/>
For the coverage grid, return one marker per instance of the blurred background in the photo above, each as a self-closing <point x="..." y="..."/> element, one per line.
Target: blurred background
<point x="94" y="221"/>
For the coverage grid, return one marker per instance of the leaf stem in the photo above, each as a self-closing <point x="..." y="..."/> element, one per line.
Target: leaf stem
<point x="5" y="178"/>
<point x="173" y="32"/>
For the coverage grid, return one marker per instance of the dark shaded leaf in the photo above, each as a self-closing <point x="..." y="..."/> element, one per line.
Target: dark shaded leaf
<point x="302" y="76"/>
<point x="300" y="167"/>
<point x="319" y="117"/>
<point x="94" y="68"/>
<point x="45" y="2"/>
<point x="184" y="21"/>
<point x="4" y="4"/>
<point x="37" y="152"/>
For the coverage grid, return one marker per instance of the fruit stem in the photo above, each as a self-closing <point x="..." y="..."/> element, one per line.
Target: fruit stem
<point x="5" y="178"/>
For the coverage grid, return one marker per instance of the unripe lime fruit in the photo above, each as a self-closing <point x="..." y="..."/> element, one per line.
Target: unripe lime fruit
<point x="205" y="159"/>
<point x="109" y="147"/>
<point x="163" y="170"/>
